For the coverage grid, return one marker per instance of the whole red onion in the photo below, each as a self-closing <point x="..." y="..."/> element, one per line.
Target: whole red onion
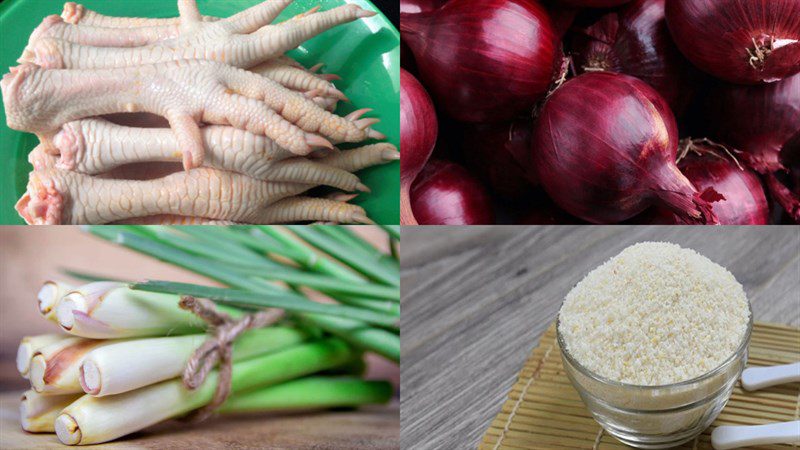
<point x="595" y="3"/>
<point x="741" y="41"/>
<point x="744" y="202"/>
<point x="447" y="194"/>
<point x="483" y="60"/>
<point x="762" y="121"/>
<point x="496" y="152"/>
<point x="635" y="41"/>
<point x="418" y="128"/>
<point x="604" y="148"/>
<point x="758" y="120"/>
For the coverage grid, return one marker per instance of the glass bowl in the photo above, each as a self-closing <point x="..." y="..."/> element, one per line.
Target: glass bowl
<point x="657" y="416"/>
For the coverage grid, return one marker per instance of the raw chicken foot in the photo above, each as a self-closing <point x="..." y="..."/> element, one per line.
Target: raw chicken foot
<point x="243" y="40"/>
<point x="62" y="197"/>
<point x="75" y="13"/>
<point x="94" y="146"/>
<point x="185" y="93"/>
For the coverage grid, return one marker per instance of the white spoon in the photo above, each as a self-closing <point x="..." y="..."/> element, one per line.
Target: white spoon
<point x="730" y="436"/>
<point x="756" y="378"/>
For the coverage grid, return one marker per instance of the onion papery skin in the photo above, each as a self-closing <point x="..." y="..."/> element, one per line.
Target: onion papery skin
<point x="745" y="202"/>
<point x="445" y="193"/>
<point x="715" y="35"/>
<point x="758" y="120"/>
<point x="604" y="147"/>
<point x="418" y="129"/>
<point x="635" y="41"/>
<point x="418" y="6"/>
<point x="483" y="60"/>
<point x="496" y="152"/>
<point x="595" y="3"/>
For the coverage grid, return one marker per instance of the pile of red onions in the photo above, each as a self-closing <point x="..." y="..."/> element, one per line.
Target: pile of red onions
<point x="741" y="41"/>
<point x="418" y="128"/>
<point x="483" y="60"/>
<point x="610" y="162"/>
<point x="635" y="41"/>
<point x="564" y="111"/>
<point x="447" y="194"/>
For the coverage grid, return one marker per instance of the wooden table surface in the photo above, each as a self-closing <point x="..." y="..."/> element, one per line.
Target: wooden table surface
<point x="369" y="428"/>
<point x="475" y="301"/>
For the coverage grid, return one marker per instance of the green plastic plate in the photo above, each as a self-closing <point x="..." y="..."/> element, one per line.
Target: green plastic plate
<point x="365" y="53"/>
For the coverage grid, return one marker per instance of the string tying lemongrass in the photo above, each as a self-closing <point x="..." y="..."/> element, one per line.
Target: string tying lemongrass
<point x="38" y="412"/>
<point x="109" y="310"/>
<point x="49" y="294"/>
<point x="29" y="346"/>
<point x="108" y="370"/>
<point x="218" y="348"/>
<point x="55" y="368"/>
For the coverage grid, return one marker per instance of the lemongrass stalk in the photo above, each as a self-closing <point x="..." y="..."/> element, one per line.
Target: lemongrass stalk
<point x="354" y="259"/>
<point x="288" y="301"/>
<point x="49" y="294"/>
<point x="38" y="412"/>
<point x="310" y="393"/>
<point x="381" y="341"/>
<point x="130" y="365"/>
<point x="92" y="420"/>
<point x="392" y="230"/>
<point x="306" y="256"/>
<point x="28" y="347"/>
<point x="55" y="368"/>
<point x="106" y="310"/>
<point x="182" y="259"/>
<point x="392" y="308"/>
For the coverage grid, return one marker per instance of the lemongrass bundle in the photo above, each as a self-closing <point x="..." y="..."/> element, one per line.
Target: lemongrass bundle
<point x="49" y="294"/>
<point x="110" y="310"/>
<point x="38" y="412"/>
<point x="29" y="346"/>
<point x="55" y="368"/>
<point x="92" y="420"/>
<point x="125" y="366"/>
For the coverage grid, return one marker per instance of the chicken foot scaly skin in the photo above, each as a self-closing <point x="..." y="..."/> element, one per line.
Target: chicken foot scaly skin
<point x="167" y="219"/>
<point x="95" y="146"/>
<point x="290" y="74"/>
<point x="75" y="13"/>
<point x="54" y="27"/>
<point x="62" y="197"/>
<point x="235" y="41"/>
<point x="185" y="93"/>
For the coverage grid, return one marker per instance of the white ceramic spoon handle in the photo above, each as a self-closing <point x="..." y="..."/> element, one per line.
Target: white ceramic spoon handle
<point x="760" y="377"/>
<point x="728" y="436"/>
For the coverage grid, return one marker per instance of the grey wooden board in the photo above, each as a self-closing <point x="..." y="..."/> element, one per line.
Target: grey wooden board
<point x="475" y="301"/>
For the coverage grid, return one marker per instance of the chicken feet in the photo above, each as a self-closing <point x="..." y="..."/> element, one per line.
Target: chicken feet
<point x="185" y="93"/>
<point x="243" y="40"/>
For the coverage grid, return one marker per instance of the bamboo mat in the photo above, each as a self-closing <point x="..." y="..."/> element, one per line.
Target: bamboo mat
<point x="543" y="410"/>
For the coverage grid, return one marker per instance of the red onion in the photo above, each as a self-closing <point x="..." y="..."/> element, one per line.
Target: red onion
<point x="407" y="59"/>
<point x="447" y="194"/>
<point x="635" y="41"/>
<point x="744" y="202"/>
<point x="741" y="41"/>
<point x="483" y="60"/>
<point x="604" y="148"/>
<point x="495" y="152"/>
<point x="758" y="120"/>
<point x="761" y="121"/>
<point x="418" y="128"/>
<point x="595" y="3"/>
